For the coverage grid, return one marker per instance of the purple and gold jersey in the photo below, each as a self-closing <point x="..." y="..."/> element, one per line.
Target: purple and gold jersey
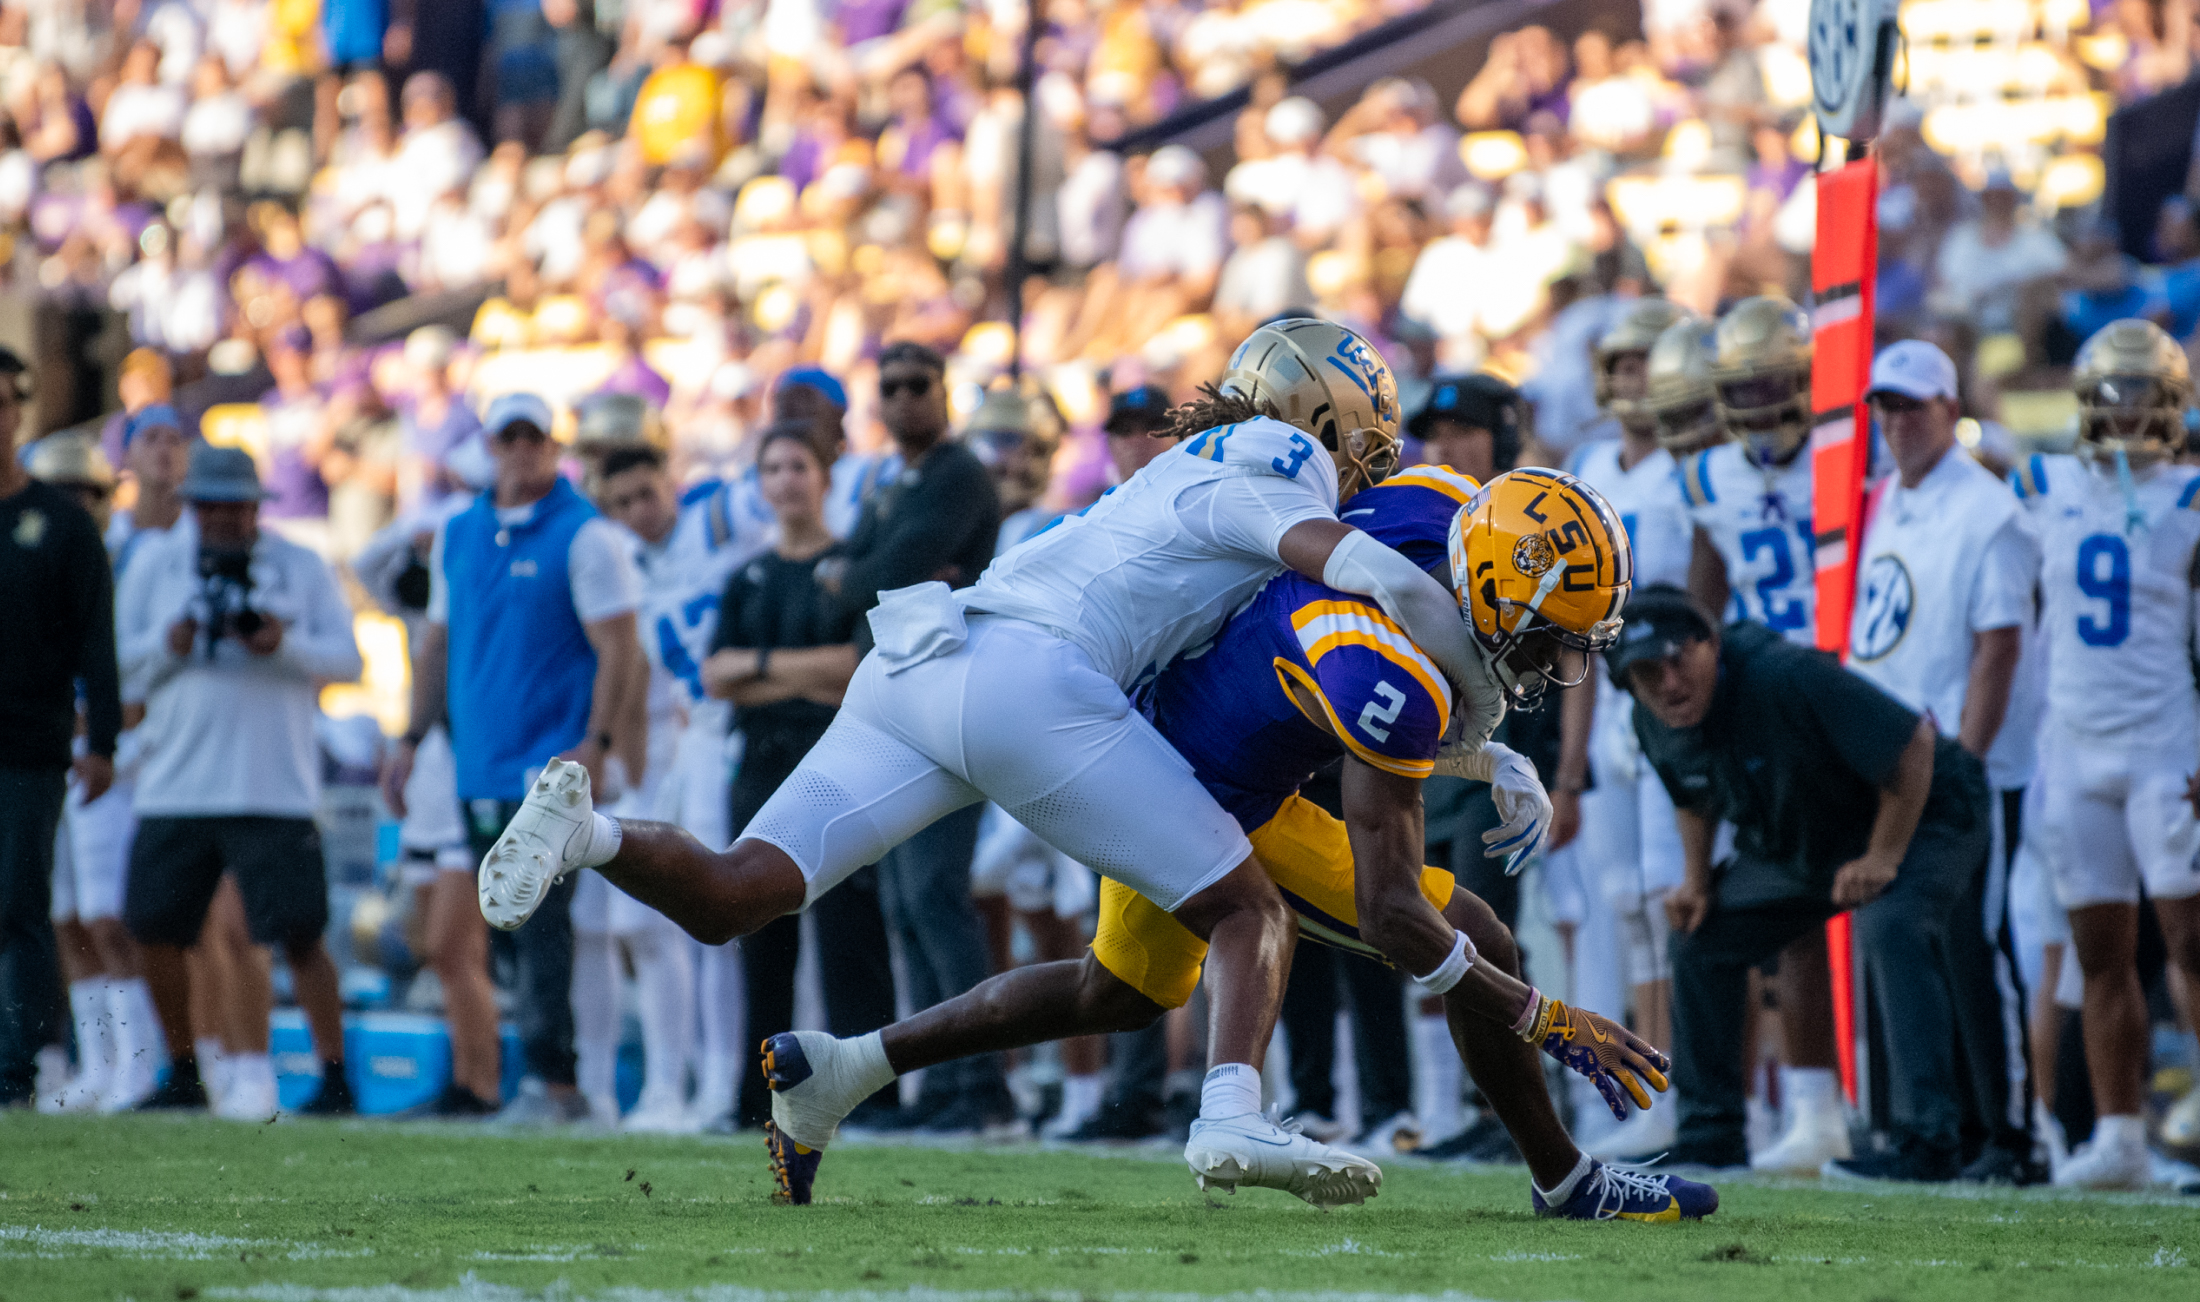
<point x="1243" y="712"/>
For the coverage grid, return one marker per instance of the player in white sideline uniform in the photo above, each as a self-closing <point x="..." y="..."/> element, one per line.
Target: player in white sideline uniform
<point x="1627" y="853"/>
<point x="1944" y="584"/>
<point x="1755" y="559"/>
<point x="685" y="783"/>
<point x="118" y="1036"/>
<point x="2119" y="534"/>
<point x="1015" y="689"/>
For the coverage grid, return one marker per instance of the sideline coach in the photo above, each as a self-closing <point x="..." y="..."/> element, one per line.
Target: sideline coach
<point x="1840" y="798"/>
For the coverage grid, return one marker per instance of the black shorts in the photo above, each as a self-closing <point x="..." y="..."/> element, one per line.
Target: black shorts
<point x="176" y="864"/>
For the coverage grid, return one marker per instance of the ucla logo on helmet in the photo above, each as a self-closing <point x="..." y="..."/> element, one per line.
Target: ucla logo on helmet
<point x="1366" y="371"/>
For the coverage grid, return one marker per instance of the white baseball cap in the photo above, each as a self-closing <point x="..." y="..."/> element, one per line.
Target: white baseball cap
<point x="1914" y="369"/>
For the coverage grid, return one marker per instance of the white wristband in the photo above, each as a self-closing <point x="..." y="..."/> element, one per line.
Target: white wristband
<point x="1453" y="967"/>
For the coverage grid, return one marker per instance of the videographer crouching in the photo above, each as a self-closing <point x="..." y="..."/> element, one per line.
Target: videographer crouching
<point x="242" y="629"/>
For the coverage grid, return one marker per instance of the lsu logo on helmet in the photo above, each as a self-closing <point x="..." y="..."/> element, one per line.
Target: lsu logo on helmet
<point x="1541" y="566"/>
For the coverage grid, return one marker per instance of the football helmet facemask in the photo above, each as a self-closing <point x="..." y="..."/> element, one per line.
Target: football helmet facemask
<point x="1678" y="388"/>
<point x="1760" y="373"/>
<point x="1541" y="566"/>
<point x="2133" y="385"/>
<point x="1637" y="330"/>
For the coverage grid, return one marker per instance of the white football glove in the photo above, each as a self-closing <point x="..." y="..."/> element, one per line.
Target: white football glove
<point x="1518" y="794"/>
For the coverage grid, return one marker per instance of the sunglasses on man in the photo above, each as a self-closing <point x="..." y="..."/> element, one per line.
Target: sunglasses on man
<point x="916" y="386"/>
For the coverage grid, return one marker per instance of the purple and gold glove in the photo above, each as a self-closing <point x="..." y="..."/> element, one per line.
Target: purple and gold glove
<point x="1610" y="1055"/>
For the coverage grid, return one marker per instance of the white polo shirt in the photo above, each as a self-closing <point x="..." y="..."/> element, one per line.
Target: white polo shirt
<point x="1947" y="559"/>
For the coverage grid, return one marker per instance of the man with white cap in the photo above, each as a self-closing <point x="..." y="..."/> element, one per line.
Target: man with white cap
<point x="1944" y="597"/>
<point x="530" y="654"/>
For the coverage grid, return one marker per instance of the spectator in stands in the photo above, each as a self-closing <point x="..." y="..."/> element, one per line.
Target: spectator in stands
<point x="1986" y="264"/>
<point x="242" y="630"/>
<point x="54" y="578"/>
<point x="531" y="654"/>
<point x="1840" y="798"/>
<point x="1437" y="294"/>
<point x="1394" y="134"/>
<point x="936" y="521"/>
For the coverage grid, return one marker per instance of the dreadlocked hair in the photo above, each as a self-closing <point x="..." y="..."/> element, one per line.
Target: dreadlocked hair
<point x="1212" y="409"/>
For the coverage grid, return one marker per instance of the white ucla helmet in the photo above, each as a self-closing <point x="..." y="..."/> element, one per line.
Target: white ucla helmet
<point x="1324" y="379"/>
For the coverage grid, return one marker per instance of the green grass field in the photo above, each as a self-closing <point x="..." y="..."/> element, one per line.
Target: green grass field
<point x="159" y="1208"/>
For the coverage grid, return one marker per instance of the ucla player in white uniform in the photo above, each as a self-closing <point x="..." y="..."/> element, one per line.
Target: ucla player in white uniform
<point x="1755" y="559"/>
<point x="2119" y="535"/>
<point x="1944" y="594"/>
<point x="1015" y="689"/>
<point x="1627" y="853"/>
<point x="1750" y="496"/>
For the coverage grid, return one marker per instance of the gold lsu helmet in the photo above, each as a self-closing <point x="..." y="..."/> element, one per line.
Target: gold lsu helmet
<point x="1324" y="379"/>
<point x="2133" y="386"/>
<point x="1541" y="566"/>
<point x="1635" y="333"/>
<point x="1677" y="389"/>
<point x="1760" y="376"/>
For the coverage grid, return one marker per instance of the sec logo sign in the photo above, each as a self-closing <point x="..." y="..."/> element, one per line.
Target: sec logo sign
<point x="1884" y="603"/>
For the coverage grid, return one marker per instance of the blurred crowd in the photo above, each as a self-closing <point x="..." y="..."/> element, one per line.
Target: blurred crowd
<point x="727" y="271"/>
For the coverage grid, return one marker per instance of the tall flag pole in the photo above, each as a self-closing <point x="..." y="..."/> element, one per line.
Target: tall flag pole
<point x="1842" y="268"/>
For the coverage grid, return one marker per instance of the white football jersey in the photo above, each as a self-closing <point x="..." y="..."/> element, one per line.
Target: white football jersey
<point x="1949" y="558"/>
<point x="1647" y="498"/>
<point x="682" y="581"/>
<point x="1151" y="570"/>
<point x="1760" y="525"/>
<point x="2116" y="596"/>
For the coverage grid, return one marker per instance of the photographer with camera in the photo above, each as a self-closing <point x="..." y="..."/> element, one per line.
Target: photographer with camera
<point x="240" y="630"/>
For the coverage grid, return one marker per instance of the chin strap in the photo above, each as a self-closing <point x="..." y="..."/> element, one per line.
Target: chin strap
<point x="2134" y="518"/>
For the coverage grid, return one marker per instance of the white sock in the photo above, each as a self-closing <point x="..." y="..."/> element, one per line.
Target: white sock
<point x="2121" y="1131"/>
<point x="136" y="1026"/>
<point x="1436" y="1071"/>
<point x="1564" y="1189"/>
<point x="1081" y="1096"/>
<point x="595" y="997"/>
<point x="1230" y="1090"/>
<point x="666" y="980"/>
<point x="1811" y="1089"/>
<point x="603" y="840"/>
<point x="95" y="1032"/>
<point x="251" y="1068"/>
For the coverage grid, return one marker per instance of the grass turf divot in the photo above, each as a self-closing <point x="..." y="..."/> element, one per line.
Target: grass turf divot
<point x="164" y="1207"/>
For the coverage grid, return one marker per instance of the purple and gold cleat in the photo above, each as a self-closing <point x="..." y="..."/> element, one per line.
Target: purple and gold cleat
<point x="794" y="1167"/>
<point x="1615" y="1193"/>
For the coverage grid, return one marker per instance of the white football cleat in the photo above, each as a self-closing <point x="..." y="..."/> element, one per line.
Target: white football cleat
<point x="1254" y="1150"/>
<point x="1818" y="1135"/>
<point x="545" y="840"/>
<point x="79" y="1093"/>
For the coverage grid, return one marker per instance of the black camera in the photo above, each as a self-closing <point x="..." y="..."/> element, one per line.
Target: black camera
<point x="225" y="585"/>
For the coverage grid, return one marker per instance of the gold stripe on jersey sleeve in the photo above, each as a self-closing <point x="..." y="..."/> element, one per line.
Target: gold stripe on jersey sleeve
<point x="1460" y="488"/>
<point x="1324" y="625"/>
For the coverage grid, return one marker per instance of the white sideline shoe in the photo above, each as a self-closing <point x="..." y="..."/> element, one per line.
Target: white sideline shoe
<point x="2112" y="1159"/>
<point x="661" y="1117"/>
<point x="1647" y="1133"/>
<point x="248" y="1096"/>
<point x="1255" y="1150"/>
<point x="1818" y="1135"/>
<point x="545" y="840"/>
<point x="80" y="1093"/>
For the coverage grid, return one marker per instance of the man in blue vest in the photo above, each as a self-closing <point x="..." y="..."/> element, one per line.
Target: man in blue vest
<point x="530" y="654"/>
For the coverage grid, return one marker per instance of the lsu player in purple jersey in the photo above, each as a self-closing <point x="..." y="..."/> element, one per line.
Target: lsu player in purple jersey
<point x="1302" y="675"/>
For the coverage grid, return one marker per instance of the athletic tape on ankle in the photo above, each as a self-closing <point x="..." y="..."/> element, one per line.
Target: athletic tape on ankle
<point x="1453" y="967"/>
